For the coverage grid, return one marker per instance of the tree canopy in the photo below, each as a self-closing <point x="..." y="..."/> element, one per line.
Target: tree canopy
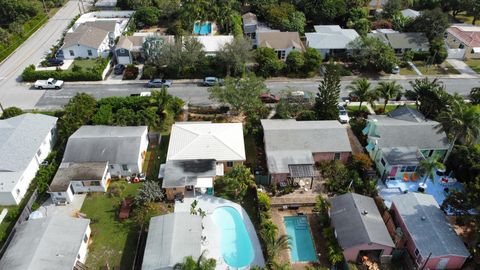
<point x="326" y="102"/>
<point x="372" y="53"/>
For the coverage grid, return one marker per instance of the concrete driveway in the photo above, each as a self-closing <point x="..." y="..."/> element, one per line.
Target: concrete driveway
<point x="461" y="67"/>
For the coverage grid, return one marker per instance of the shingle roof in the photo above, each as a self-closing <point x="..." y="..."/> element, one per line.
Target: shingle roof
<point x="117" y="145"/>
<point x="206" y="140"/>
<point x="468" y="34"/>
<point x="249" y="18"/>
<point x="170" y="239"/>
<point x="90" y="34"/>
<point x="408" y="114"/>
<point x="402" y="155"/>
<point x="47" y="243"/>
<point x="330" y="37"/>
<point x="428" y="226"/>
<point x="20" y="139"/>
<point x="357" y="221"/>
<point x="279" y="40"/>
<point x="129" y="42"/>
<point x="279" y="161"/>
<point x="77" y="171"/>
<point x="407" y="40"/>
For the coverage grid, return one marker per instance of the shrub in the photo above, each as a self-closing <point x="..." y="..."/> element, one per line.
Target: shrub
<point x="149" y="72"/>
<point x="29" y="74"/>
<point x="263" y="201"/>
<point x="13" y="213"/>
<point x="116" y="188"/>
<point x="131" y="73"/>
<point x="148" y="193"/>
<point x="11" y="112"/>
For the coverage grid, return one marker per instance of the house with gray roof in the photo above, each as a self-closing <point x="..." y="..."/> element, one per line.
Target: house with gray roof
<point x="25" y="142"/>
<point x="359" y="227"/>
<point x="292" y="147"/>
<point x="431" y="240"/>
<point x="171" y="238"/>
<point x="404" y="42"/>
<point x="398" y="141"/>
<point x="282" y="42"/>
<point x="54" y="242"/>
<point x="331" y="40"/>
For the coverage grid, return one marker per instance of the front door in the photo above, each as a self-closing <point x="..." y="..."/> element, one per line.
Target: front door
<point x="442" y="264"/>
<point x="393" y="172"/>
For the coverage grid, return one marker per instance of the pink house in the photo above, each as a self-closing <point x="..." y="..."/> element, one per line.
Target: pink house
<point x="292" y="147"/>
<point x="359" y="227"/>
<point x="431" y="240"/>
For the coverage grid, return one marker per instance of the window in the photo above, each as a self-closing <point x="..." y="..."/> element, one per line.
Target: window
<point x="430" y="153"/>
<point x="417" y="252"/>
<point x="39" y="152"/>
<point x="85" y="238"/>
<point x="461" y="46"/>
<point x="71" y="53"/>
<point x="78" y="256"/>
<point x="281" y="54"/>
<point x="18" y="191"/>
<point x="411" y="168"/>
<point x="403" y="169"/>
<point x="337" y="156"/>
<point x="59" y="193"/>
<point x="112" y="166"/>
<point x="383" y="162"/>
<point x="125" y="167"/>
<point x="89" y="52"/>
<point x="91" y="183"/>
<point x="122" y="51"/>
<point x="229" y="164"/>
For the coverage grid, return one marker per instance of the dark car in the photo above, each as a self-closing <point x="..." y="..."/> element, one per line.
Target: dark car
<point x="55" y="62"/>
<point x="158" y="83"/>
<point x="118" y="69"/>
<point x="269" y="98"/>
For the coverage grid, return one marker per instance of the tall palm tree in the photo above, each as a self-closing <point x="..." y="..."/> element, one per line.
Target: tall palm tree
<point x="422" y="86"/>
<point x="460" y="122"/>
<point x="387" y="91"/>
<point x="280" y="266"/>
<point x="362" y="89"/>
<point x="427" y="168"/>
<point x="202" y="263"/>
<point x="275" y="245"/>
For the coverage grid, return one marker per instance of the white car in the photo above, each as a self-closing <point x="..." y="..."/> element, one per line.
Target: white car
<point x="48" y="84"/>
<point x="343" y="115"/>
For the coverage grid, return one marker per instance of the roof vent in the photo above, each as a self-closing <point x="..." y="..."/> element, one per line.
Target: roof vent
<point x="364" y="212"/>
<point x="424" y="218"/>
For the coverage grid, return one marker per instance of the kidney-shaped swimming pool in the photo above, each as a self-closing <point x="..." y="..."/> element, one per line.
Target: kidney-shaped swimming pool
<point x="235" y="243"/>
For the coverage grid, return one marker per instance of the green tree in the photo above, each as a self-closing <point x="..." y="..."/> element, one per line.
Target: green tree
<point x="372" y="53"/>
<point x="149" y="192"/>
<point x="392" y="8"/>
<point x="103" y="116"/>
<point x="285" y="17"/>
<point x="154" y="51"/>
<point x="242" y="94"/>
<point x="234" y="184"/>
<point x="430" y="97"/>
<point x="202" y="263"/>
<point x="295" y="62"/>
<point x="235" y="55"/>
<point x="11" y="112"/>
<point x="324" y="11"/>
<point x="124" y="117"/>
<point x="77" y="112"/>
<point x="473" y="9"/>
<point x="268" y="63"/>
<point x="326" y="102"/>
<point x="362" y="89"/>
<point x="428" y="166"/>
<point x="438" y="52"/>
<point x="145" y="17"/>
<point x="274" y="245"/>
<point x="312" y="62"/>
<point x="388" y="91"/>
<point x="143" y="214"/>
<point x="475" y="95"/>
<point x="431" y="22"/>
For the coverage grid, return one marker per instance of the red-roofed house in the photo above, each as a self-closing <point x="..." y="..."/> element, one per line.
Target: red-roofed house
<point x="464" y="38"/>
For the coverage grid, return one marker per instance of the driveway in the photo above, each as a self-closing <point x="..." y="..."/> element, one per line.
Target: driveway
<point x="461" y="67"/>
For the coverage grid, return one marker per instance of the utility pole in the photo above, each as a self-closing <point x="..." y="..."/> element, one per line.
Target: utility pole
<point x="45" y="7"/>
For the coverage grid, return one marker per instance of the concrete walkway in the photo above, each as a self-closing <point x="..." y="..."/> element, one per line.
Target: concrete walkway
<point x="412" y="65"/>
<point x="461" y="66"/>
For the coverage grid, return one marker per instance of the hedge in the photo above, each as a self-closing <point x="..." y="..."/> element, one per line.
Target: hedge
<point x="29" y="74"/>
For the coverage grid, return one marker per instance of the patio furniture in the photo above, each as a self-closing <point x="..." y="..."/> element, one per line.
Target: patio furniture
<point x="405" y="177"/>
<point x="414" y="177"/>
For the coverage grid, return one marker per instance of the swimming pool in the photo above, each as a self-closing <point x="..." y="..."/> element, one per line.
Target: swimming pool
<point x="301" y="243"/>
<point x="203" y="29"/>
<point x="235" y="243"/>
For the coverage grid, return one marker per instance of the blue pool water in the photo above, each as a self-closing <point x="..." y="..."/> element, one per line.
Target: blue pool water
<point x="204" y="29"/>
<point x="301" y="244"/>
<point x="235" y="243"/>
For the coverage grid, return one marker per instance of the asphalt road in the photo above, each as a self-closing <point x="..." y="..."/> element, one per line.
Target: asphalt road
<point x="14" y="93"/>
<point x="195" y="94"/>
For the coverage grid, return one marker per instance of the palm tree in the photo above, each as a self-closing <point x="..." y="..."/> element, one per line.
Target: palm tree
<point x="422" y="86"/>
<point x="460" y="122"/>
<point x="201" y="263"/>
<point x="427" y="167"/>
<point x="275" y="245"/>
<point x="280" y="266"/>
<point x="387" y="91"/>
<point x="362" y="89"/>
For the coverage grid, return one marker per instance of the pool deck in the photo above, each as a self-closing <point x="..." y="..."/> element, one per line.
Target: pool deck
<point x="211" y="231"/>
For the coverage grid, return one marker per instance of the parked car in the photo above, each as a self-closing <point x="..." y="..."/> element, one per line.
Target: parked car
<point x="158" y="83"/>
<point x="396" y="70"/>
<point x="211" y="81"/>
<point x="118" y="69"/>
<point x="48" y="84"/>
<point x="55" y="62"/>
<point x="269" y="98"/>
<point x="343" y="115"/>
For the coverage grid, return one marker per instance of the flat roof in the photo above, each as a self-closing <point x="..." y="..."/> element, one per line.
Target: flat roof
<point x="180" y="173"/>
<point x="76" y="172"/>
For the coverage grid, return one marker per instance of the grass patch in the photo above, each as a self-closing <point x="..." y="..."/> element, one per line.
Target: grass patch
<point x="463" y="17"/>
<point x="113" y="241"/>
<point x="443" y="69"/>
<point x="391" y="107"/>
<point x="84" y="63"/>
<point x="474" y="64"/>
<point x="407" y="71"/>
<point x="351" y="109"/>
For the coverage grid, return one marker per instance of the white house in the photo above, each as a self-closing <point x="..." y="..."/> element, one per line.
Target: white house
<point x="56" y="242"/>
<point x="25" y="142"/>
<point x="213" y="44"/>
<point x="282" y="42"/>
<point x="124" y="148"/>
<point x="330" y="40"/>
<point x="74" y="178"/>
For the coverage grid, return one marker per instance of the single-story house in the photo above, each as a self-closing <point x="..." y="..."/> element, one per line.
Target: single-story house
<point x="25" y="142"/>
<point x="398" y="141"/>
<point x="359" y="227"/>
<point x="54" y="242"/>
<point x="72" y="178"/>
<point x="171" y="238"/>
<point x="250" y="23"/>
<point x="292" y="147"/>
<point x="463" y="41"/>
<point x="431" y="239"/>
<point x="282" y="42"/>
<point x="124" y="148"/>
<point x="106" y="4"/>
<point x="197" y="153"/>
<point x="129" y="48"/>
<point x="213" y="44"/>
<point x="410" y="13"/>
<point x="404" y="42"/>
<point x="330" y="40"/>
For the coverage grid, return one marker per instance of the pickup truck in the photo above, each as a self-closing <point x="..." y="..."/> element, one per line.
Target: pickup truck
<point x="48" y="84"/>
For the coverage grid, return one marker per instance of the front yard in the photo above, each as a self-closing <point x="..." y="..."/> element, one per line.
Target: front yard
<point x="443" y="69"/>
<point x="84" y="63"/>
<point x="474" y="64"/>
<point x="391" y="107"/>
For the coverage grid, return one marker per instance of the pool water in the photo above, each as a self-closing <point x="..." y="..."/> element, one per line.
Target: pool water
<point x="235" y="243"/>
<point x="204" y="29"/>
<point x="301" y="243"/>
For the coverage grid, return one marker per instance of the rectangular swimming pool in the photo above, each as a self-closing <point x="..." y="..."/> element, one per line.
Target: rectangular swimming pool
<point x="301" y="243"/>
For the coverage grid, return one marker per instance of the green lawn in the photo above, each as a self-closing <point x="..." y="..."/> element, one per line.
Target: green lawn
<point x="443" y="69"/>
<point x="391" y="107"/>
<point x="463" y="17"/>
<point x="354" y="108"/>
<point x="7" y="223"/>
<point x="113" y="241"/>
<point x="84" y="63"/>
<point x="474" y="64"/>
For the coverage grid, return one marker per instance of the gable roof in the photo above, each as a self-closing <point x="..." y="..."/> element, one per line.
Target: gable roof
<point x="410" y="13"/>
<point x="407" y="40"/>
<point x="467" y="34"/>
<point x="249" y="18"/>
<point x="68" y="172"/>
<point x="171" y="238"/>
<point x="357" y="221"/>
<point x="20" y="138"/>
<point x="206" y="140"/>
<point x="428" y="226"/>
<point x="47" y="243"/>
<point x="330" y="37"/>
<point x="129" y="42"/>
<point x="407" y="114"/>
<point x="279" y="40"/>
<point x="90" y="34"/>
<point x="117" y="145"/>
